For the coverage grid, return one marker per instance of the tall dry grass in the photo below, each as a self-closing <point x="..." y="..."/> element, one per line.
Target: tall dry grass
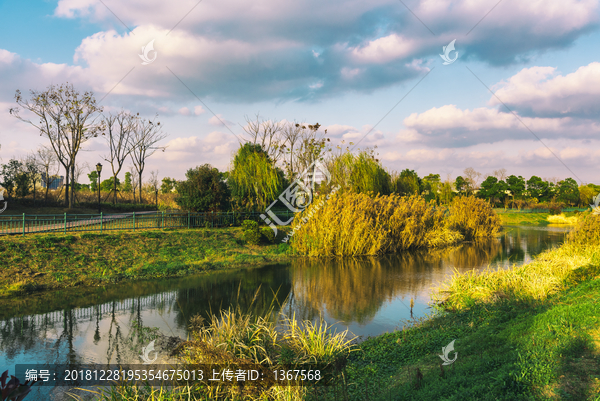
<point x="354" y="224"/>
<point x="473" y="217"/>
<point x="552" y="271"/>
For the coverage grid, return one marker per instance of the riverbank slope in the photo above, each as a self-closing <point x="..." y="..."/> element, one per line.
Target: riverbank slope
<point x="50" y="261"/>
<point x="530" y="332"/>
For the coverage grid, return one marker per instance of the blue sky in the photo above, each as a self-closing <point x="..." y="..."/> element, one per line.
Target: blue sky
<point x="344" y="64"/>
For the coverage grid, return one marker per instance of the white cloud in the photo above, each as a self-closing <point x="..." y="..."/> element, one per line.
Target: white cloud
<point x="219" y="121"/>
<point x="541" y="91"/>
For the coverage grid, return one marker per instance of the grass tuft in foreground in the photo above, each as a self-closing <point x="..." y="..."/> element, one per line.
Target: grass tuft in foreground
<point x="236" y="338"/>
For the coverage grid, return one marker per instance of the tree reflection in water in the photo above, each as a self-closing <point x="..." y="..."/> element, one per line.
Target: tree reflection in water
<point x="102" y="324"/>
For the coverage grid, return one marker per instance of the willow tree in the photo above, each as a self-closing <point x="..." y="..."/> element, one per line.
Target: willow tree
<point x="253" y="178"/>
<point x="358" y="173"/>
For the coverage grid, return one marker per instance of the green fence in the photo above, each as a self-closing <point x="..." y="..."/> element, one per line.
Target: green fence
<point x="29" y="224"/>
<point x="566" y="210"/>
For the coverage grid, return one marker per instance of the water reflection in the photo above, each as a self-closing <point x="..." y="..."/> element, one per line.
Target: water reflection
<point x="368" y="295"/>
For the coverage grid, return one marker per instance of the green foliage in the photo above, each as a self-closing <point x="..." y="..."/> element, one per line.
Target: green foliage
<point x="254" y="180"/>
<point x="516" y="186"/>
<point x="9" y="173"/>
<point x="128" y="183"/>
<point x="568" y="191"/>
<point x="203" y="190"/>
<point x="473" y="218"/>
<point x="407" y="183"/>
<point x="538" y="188"/>
<point x="168" y="185"/>
<point x="360" y="173"/>
<point x="251" y="234"/>
<point x="268" y="234"/>
<point x="493" y="189"/>
<point x="461" y="184"/>
<point x="108" y="184"/>
<point x="93" y="176"/>
<point x="431" y="186"/>
<point x="23" y="182"/>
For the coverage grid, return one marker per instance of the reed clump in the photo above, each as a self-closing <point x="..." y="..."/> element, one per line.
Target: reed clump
<point x="236" y="338"/>
<point x="576" y="260"/>
<point x="353" y="224"/>
<point x="474" y="218"/>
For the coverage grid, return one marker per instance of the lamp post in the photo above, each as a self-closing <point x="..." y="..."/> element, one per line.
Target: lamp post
<point x="99" y="170"/>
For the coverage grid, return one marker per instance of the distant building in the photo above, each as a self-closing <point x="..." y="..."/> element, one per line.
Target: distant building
<point x="57" y="181"/>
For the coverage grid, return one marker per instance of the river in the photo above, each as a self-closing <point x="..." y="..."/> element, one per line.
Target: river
<point x="368" y="296"/>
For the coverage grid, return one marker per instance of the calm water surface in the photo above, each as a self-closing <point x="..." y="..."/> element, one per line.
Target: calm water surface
<point x="368" y="296"/>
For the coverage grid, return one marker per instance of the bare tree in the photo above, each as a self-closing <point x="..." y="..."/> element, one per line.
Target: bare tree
<point x="472" y="178"/>
<point x="134" y="180"/>
<point x="119" y="137"/>
<point x="154" y="184"/>
<point x="80" y="168"/>
<point x="267" y="134"/>
<point x="67" y="118"/>
<point x="146" y="134"/>
<point x="307" y="149"/>
<point x="33" y="169"/>
<point x="48" y="165"/>
<point x="500" y="174"/>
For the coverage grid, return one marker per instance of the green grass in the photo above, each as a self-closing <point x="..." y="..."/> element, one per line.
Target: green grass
<point x="51" y="261"/>
<point x="506" y="351"/>
<point x="528" y="333"/>
<point x="524" y="219"/>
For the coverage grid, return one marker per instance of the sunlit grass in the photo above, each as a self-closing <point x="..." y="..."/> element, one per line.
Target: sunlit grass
<point x="562" y="219"/>
<point x="549" y="273"/>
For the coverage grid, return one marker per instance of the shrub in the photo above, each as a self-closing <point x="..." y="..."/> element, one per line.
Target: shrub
<point x="251" y="233"/>
<point x="555" y="208"/>
<point x="268" y="234"/>
<point x="474" y="218"/>
<point x="204" y="190"/>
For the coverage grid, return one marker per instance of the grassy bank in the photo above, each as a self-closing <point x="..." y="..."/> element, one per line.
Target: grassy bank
<point x="51" y="261"/>
<point x="526" y="333"/>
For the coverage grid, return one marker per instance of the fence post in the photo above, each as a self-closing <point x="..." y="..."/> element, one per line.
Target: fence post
<point x="162" y="220"/>
<point x="65" y="228"/>
<point x="23" y="224"/>
<point x="133" y="221"/>
<point x="101" y="213"/>
<point x="188" y="219"/>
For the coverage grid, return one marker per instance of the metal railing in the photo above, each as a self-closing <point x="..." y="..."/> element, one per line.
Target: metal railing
<point x="30" y="224"/>
<point x="536" y="210"/>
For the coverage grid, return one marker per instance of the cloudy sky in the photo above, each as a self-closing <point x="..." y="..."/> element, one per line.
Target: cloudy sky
<point x="523" y="93"/>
